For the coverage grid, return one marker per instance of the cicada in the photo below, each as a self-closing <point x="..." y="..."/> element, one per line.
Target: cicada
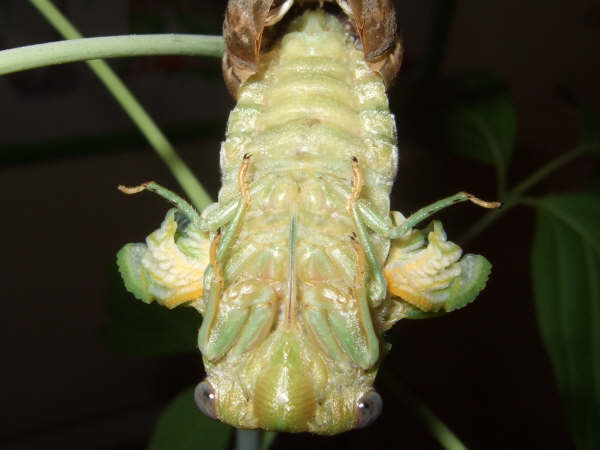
<point x="300" y="267"/>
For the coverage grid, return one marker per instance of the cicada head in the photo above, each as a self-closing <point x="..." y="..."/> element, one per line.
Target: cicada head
<point x="286" y="385"/>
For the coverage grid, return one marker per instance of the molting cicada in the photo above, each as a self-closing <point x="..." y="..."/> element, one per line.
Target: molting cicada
<point x="300" y="267"/>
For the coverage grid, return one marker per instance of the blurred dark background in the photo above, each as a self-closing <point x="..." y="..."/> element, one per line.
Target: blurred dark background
<point x="65" y="145"/>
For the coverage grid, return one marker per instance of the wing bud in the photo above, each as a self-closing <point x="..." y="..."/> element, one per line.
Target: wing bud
<point x="426" y="270"/>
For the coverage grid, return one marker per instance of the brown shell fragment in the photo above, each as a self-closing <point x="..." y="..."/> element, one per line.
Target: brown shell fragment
<point x="389" y="66"/>
<point x="376" y="25"/>
<point x="375" y="22"/>
<point x="242" y="29"/>
<point x="245" y="20"/>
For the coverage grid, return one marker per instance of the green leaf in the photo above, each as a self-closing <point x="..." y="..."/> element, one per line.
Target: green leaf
<point x="150" y="330"/>
<point x="183" y="427"/>
<point x="566" y="278"/>
<point x="480" y="120"/>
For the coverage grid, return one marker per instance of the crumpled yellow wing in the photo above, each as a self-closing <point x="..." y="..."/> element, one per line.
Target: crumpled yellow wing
<point x="426" y="270"/>
<point x="169" y="267"/>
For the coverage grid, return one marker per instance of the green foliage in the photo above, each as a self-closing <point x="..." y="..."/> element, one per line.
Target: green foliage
<point x="149" y="330"/>
<point x="480" y="120"/>
<point x="566" y="252"/>
<point x="566" y="279"/>
<point x="182" y="426"/>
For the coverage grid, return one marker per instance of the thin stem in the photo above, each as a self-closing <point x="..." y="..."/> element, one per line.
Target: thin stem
<point x="247" y="439"/>
<point x="136" y="112"/>
<point x="546" y="170"/>
<point x="438" y="429"/>
<point x="60" y="52"/>
<point x="513" y="198"/>
<point x="267" y="440"/>
<point x="529" y="201"/>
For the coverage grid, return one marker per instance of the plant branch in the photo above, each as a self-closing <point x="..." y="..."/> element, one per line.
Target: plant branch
<point x="513" y="198"/>
<point x="132" y="107"/>
<point x="267" y="440"/>
<point x="438" y="429"/>
<point x="60" y="52"/>
<point x="546" y="170"/>
<point x="247" y="439"/>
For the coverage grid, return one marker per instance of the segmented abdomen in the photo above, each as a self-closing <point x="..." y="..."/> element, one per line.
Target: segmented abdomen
<point x="311" y="108"/>
<point x="313" y="105"/>
<point x="294" y="273"/>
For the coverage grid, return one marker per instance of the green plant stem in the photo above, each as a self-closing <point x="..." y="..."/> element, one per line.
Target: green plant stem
<point x="267" y="440"/>
<point x="438" y="429"/>
<point x="546" y="170"/>
<point x="247" y="439"/>
<point x="514" y="197"/>
<point x="136" y="112"/>
<point x="60" y="52"/>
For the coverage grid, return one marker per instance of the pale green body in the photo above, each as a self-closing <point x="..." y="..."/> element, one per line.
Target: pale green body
<point x="313" y="106"/>
<point x="305" y="274"/>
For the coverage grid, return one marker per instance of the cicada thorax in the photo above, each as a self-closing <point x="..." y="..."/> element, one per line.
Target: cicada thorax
<point x="290" y="336"/>
<point x="251" y="27"/>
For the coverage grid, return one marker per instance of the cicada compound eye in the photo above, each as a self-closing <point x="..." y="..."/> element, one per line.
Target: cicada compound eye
<point x="368" y="409"/>
<point x="205" y="398"/>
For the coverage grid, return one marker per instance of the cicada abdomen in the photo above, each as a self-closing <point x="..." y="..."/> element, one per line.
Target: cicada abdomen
<point x="299" y="267"/>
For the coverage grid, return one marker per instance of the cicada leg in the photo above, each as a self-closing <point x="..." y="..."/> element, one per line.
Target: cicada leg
<point x="243" y="204"/>
<point x="425" y="273"/>
<point x="344" y="329"/>
<point x="385" y="228"/>
<point x="217" y="216"/>
<point x="359" y="292"/>
<point x="183" y="206"/>
<point x="214" y="279"/>
<point x="377" y="288"/>
<point x="403" y="310"/>
<point x="214" y="276"/>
